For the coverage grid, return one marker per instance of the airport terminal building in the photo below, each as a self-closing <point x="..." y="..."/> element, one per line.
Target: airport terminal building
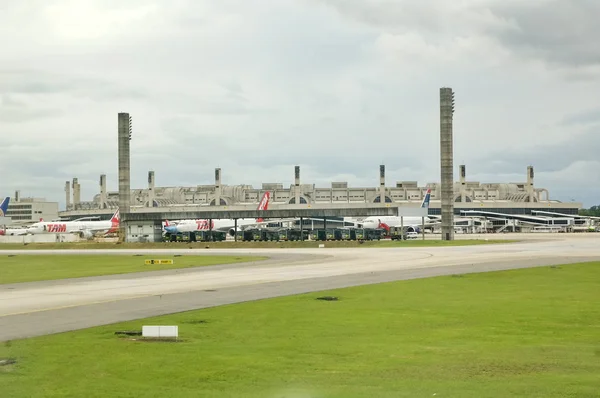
<point x="518" y="198"/>
<point x="24" y="210"/>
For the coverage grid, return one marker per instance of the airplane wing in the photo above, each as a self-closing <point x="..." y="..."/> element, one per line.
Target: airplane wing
<point x="94" y="229"/>
<point x="87" y="218"/>
<point x="25" y="223"/>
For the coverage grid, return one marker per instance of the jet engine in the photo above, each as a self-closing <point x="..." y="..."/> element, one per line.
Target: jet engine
<point x="86" y="234"/>
<point x="232" y="231"/>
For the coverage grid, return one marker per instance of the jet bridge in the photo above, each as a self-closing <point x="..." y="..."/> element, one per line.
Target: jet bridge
<point x="515" y="220"/>
<point x="582" y="223"/>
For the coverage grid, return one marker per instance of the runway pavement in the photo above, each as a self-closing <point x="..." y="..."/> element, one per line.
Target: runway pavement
<point x="37" y="308"/>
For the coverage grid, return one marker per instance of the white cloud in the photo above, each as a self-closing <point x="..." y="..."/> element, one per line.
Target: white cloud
<point x="257" y="87"/>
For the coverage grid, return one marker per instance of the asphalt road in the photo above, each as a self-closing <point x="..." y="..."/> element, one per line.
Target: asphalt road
<point x="38" y="308"/>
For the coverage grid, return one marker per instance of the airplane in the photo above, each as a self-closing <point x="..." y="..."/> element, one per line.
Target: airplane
<point x="4" y="231"/>
<point x="386" y="222"/>
<point x="85" y="229"/>
<point x="13" y="231"/>
<point x="225" y="225"/>
<point x="3" y="211"/>
<point x="4" y="206"/>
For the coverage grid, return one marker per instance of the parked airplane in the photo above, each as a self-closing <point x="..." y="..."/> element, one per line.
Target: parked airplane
<point x="386" y="222"/>
<point x="4" y="206"/>
<point x="225" y="225"/>
<point x="85" y="228"/>
<point x="10" y="231"/>
<point x="3" y="211"/>
<point x="13" y="231"/>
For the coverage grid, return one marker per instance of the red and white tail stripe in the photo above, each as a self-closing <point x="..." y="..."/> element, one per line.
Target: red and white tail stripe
<point x="264" y="204"/>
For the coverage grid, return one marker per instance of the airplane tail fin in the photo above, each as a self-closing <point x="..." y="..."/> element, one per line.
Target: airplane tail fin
<point x="384" y="226"/>
<point x="115" y="217"/>
<point x="4" y="206"/>
<point x="114" y="223"/>
<point x="3" y="210"/>
<point x="425" y="203"/>
<point x="264" y="204"/>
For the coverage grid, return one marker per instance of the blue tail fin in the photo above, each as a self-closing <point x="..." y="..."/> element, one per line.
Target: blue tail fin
<point x="4" y="206"/>
<point x="425" y="203"/>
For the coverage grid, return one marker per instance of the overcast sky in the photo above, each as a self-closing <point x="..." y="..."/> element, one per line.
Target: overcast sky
<point x="336" y="86"/>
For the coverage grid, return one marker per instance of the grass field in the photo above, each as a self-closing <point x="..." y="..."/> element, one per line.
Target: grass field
<point x="28" y="268"/>
<point x="523" y="333"/>
<point x="248" y="245"/>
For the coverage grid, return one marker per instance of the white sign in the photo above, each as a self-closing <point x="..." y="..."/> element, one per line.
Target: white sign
<point x="160" y="331"/>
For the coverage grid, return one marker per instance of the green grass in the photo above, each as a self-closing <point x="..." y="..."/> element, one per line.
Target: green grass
<point x="28" y="268"/>
<point x="526" y="333"/>
<point x="248" y="245"/>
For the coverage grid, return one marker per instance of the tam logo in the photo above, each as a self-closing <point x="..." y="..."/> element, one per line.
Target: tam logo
<point x="56" y="228"/>
<point x="203" y="224"/>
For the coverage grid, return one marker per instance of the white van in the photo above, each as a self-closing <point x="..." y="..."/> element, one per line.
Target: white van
<point x="412" y="235"/>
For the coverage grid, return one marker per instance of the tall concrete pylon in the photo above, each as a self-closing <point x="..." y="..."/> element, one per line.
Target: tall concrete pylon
<point x="124" y="136"/>
<point x="447" y="162"/>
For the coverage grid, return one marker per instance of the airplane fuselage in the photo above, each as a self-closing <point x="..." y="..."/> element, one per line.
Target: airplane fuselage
<point x="13" y="231"/>
<point x="218" y="225"/>
<point x="203" y="225"/>
<point x="394" y="221"/>
<point x="67" y="227"/>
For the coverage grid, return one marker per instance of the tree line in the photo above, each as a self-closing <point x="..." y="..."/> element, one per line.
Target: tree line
<point x="593" y="211"/>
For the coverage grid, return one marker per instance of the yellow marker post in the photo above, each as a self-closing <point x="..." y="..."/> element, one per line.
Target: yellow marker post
<point x="159" y="261"/>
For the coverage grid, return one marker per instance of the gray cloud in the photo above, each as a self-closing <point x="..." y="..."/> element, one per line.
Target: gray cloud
<point x="548" y="157"/>
<point x="39" y="82"/>
<point x="11" y="115"/>
<point x="255" y="88"/>
<point x="13" y="110"/>
<point x="560" y="32"/>
<point x="584" y="118"/>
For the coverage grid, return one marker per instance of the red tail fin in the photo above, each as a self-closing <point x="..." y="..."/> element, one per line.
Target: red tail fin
<point x="264" y="204"/>
<point x="384" y="226"/>
<point x="114" y="223"/>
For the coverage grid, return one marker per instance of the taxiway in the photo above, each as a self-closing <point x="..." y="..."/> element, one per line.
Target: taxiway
<point x="38" y="308"/>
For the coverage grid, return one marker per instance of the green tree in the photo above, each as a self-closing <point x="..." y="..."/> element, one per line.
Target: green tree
<point x="593" y="211"/>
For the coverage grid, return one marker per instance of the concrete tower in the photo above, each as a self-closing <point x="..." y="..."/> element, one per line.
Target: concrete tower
<point x="462" y="174"/>
<point x="76" y="193"/>
<point x="124" y="130"/>
<point x="217" y="186"/>
<point x="530" y="189"/>
<point x="382" y="183"/>
<point x="297" y="184"/>
<point x="103" y="198"/>
<point x="446" y="162"/>
<point x="67" y="195"/>
<point x="151" y="189"/>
